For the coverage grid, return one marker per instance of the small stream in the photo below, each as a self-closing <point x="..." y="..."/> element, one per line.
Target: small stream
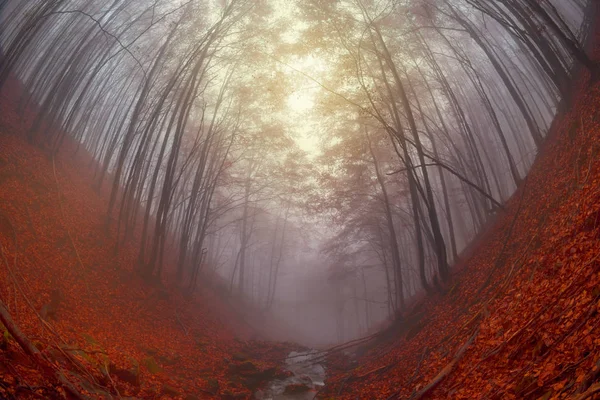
<point x="307" y="379"/>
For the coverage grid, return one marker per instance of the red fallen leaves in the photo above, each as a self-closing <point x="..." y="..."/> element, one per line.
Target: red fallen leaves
<point x="538" y="320"/>
<point x="540" y="315"/>
<point x="107" y="315"/>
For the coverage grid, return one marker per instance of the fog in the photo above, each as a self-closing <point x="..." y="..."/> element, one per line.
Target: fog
<point x="321" y="163"/>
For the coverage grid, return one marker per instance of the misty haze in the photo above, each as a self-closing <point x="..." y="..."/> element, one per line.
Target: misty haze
<point x="299" y="199"/>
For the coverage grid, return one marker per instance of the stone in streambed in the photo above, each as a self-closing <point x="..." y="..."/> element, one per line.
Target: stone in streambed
<point x="296" y="388"/>
<point x="169" y="390"/>
<point x="131" y="376"/>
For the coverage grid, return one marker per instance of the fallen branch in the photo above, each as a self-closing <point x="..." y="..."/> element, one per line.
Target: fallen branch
<point x="322" y="355"/>
<point x="411" y="380"/>
<point x="414" y="376"/>
<point x="62" y="213"/>
<point x="76" y="349"/>
<point x="341" y="347"/>
<point x="447" y="369"/>
<point x="343" y="383"/>
<point x="592" y="376"/>
<point x="34" y="353"/>
<point x="16" y="333"/>
<point x="185" y="330"/>
<point x="114" y="385"/>
<point x="45" y="324"/>
<point x="374" y="370"/>
<point x="595" y="388"/>
<point x="45" y="363"/>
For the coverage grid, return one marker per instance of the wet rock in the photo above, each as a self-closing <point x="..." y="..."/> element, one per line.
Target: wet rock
<point x="244" y="368"/>
<point x="250" y="375"/>
<point x="131" y="376"/>
<point x="169" y="360"/>
<point x="305" y="379"/>
<point x="4" y="341"/>
<point x="169" y="390"/>
<point x="267" y="374"/>
<point x="257" y="379"/>
<point x="300" y="376"/>
<point x="239" y="357"/>
<point x="282" y="374"/>
<point x="152" y="365"/>
<point x="49" y="310"/>
<point x="213" y="386"/>
<point x="296" y="388"/>
<point x="150" y="352"/>
<point x="229" y="395"/>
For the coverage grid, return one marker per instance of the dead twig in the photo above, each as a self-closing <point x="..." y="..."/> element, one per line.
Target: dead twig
<point x="45" y="324"/>
<point x="595" y="388"/>
<point x="15" y="261"/>
<point x="414" y="376"/>
<point x="447" y="369"/>
<point x="185" y="329"/>
<point x="34" y="353"/>
<point x="591" y="377"/>
<point x="537" y="316"/>
<point x="62" y="213"/>
<point x="343" y="383"/>
<point x="114" y="385"/>
<point x="75" y="349"/>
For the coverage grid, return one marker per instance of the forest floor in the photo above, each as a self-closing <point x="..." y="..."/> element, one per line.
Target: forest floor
<point x="519" y="320"/>
<point x="521" y="317"/>
<point x="101" y="330"/>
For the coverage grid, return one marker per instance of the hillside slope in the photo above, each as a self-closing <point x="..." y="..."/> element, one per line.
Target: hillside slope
<point x="85" y="308"/>
<point x="521" y="318"/>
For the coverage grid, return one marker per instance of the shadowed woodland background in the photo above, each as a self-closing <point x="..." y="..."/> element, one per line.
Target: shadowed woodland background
<point x="207" y="172"/>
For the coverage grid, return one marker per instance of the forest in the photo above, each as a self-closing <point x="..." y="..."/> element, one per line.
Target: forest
<point x="284" y="199"/>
